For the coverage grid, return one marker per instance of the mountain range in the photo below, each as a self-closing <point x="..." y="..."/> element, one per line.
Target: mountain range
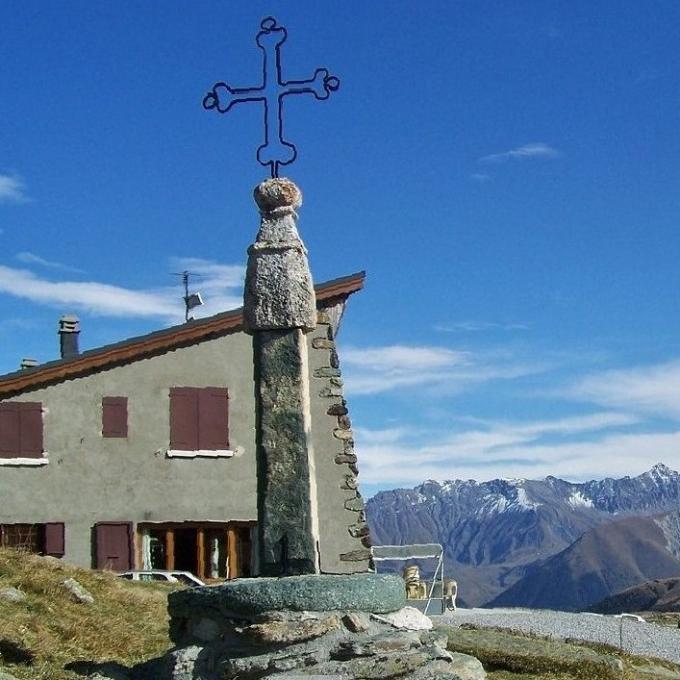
<point x="659" y="595"/>
<point x="540" y="543"/>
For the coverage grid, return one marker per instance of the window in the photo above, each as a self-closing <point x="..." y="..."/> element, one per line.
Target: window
<point x="199" y="419"/>
<point x="21" y="430"/>
<point x="46" y="539"/>
<point x="114" y="417"/>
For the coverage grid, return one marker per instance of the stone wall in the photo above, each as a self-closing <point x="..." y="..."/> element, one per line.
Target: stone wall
<point x="336" y="460"/>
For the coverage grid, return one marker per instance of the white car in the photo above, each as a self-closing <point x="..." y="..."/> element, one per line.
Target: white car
<point x="185" y="577"/>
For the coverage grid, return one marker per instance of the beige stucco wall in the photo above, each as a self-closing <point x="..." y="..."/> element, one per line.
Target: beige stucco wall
<point x="92" y="479"/>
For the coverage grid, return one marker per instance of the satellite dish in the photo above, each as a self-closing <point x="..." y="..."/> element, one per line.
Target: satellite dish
<point x="193" y="300"/>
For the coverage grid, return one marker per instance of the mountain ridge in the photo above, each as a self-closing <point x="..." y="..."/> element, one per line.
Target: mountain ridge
<point x="497" y="532"/>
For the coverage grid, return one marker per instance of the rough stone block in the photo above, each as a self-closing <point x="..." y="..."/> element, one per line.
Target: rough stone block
<point x="342" y="458"/>
<point x="408" y="618"/>
<point x="354" y="504"/>
<point x="326" y="372"/>
<point x="466" y="667"/>
<point x="350" y="483"/>
<point x="291" y="631"/>
<point x="380" y="593"/>
<point x="322" y="343"/>
<point x="339" y="433"/>
<point x="359" y="556"/>
<point x="356" y="622"/>
<point x="359" y="530"/>
<point x="348" y="446"/>
<point x="330" y="392"/>
<point x="337" y="410"/>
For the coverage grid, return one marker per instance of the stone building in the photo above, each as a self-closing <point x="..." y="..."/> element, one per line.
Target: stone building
<point x="141" y="454"/>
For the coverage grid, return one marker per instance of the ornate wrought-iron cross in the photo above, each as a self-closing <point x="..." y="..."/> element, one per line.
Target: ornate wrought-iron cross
<point x="276" y="150"/>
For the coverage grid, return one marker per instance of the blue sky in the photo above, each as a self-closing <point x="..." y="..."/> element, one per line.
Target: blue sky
<point x="507" y="173"/>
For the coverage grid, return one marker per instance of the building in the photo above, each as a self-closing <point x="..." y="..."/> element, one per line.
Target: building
<point x="141" y="454"/>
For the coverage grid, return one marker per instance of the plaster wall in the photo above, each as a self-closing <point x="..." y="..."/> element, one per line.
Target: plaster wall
<point x="92" y="479"/>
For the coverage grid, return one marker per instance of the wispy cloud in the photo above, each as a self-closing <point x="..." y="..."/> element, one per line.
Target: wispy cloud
<point x="12" y="189"/>
<point x="221" y="285"/>
<point x="480" y="177"/>
<point x="647" y="389"/>
<point x="533" y="150"/>
<point x="31" y="258"/>
<point x="576" y="447"/>
<point x="477" y="326"/>
<point x="102" y="299"/>
<point x="372" y="370"/>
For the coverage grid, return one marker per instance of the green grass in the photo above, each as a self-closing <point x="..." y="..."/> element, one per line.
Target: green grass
<point x="127" y="623"/>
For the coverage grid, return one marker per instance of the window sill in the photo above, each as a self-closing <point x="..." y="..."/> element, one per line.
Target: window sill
<point x="24" y="461"/>
<point x="201" y="453"/>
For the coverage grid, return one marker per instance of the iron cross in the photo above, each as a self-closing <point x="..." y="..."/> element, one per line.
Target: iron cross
<point x="276" y="150"/>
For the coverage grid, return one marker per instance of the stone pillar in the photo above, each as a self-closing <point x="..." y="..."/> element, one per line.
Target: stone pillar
<point x="279" y="308"/>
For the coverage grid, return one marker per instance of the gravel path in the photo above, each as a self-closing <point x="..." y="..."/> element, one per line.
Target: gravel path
<point x="646" y="639"/>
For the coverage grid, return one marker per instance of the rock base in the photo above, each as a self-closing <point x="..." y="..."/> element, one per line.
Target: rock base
<point x="336" y="645"/>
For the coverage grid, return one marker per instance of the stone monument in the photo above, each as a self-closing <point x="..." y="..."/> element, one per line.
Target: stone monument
<point x="279" y="308"/>
<point x="292" y="621"/>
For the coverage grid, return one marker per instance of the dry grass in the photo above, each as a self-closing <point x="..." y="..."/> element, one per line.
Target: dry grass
<point x="511" y="655"/>
<point x="127" y="623"/>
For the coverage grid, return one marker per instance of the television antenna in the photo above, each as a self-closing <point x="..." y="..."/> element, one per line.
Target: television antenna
<point x="191" y="300"/>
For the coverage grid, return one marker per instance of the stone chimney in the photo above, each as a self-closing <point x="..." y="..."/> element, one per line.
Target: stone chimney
<point x="69" y="329"/>
<point x="26" y="362"/>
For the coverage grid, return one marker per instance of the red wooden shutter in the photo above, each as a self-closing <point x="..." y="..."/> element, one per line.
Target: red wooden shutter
<point x="114" y="417"/>
<point x="184" y="418"/>
<point x="31" y="429"/>
<point x="213" y="423"/>
<point x="54" y="539"/>
<point x="113" y="545"/>
<point x="9" y="430"/>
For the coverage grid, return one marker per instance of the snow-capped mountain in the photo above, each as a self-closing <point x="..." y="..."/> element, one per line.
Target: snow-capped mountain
<point x="496" y="532"/>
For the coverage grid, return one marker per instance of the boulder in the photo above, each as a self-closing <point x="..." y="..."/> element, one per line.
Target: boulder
<point x="12" y="595"/>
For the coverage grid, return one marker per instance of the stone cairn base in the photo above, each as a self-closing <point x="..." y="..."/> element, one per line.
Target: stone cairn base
<point x="304" y="627"/>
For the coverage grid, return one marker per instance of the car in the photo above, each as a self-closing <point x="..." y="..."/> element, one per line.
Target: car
<point x="162" y="575"/>
<point x="632" y="617"/>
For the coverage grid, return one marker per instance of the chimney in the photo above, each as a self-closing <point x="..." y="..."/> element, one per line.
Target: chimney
<point x="69" y="328"/>
<point x="28" y="363"/>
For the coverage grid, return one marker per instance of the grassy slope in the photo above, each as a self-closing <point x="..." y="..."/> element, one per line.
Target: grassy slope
<point x="127" y="623"/>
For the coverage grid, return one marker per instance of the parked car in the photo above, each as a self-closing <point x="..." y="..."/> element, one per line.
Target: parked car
<point x="185" y="577"/>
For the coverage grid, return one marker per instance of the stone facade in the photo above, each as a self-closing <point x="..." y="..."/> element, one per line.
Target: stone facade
<point x="327" y="385"/>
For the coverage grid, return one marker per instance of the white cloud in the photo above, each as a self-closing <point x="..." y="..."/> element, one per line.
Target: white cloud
<point x="102" y="299"/>
<point x="577" y="448"/>
<point x="12" y="189"/>
<point x="31" y="258"/>
<point x="373" y="370"/>
<point x="220" y="285"/>
<point x="533" y="150"/>
<point x="474" y="326"/>
<point x="648" y="389"/>
<point x="480" y="177"/>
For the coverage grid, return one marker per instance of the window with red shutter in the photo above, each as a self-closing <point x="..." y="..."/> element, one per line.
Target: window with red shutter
<point x="54" y="539"/>
<point x="9" y="430"/>
<point x="114" y="417"/>
<point x="21" y="430"/>
<point x="199" y="419"/>
<point x="184" y="418"/>
<point x="213" y="423"/>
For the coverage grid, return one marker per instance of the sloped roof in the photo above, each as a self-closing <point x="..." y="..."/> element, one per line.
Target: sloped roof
<point x="158" y="342"/>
